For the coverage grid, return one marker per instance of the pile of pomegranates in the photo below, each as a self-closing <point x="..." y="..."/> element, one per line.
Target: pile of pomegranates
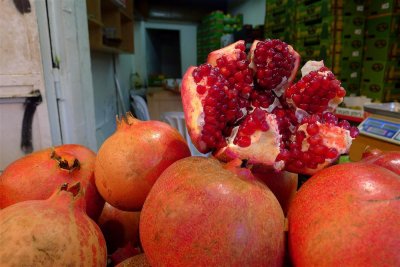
<point x="143" y="200"/>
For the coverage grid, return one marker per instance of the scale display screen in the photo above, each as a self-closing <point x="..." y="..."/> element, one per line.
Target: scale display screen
<point x="382" y="129"/>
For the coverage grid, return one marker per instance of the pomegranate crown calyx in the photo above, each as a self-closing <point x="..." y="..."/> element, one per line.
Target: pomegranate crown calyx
<point x="65" y="161"/>
<point x="75" y="189"/>
<point x="73" y="193"/>
<point x="127" y="120"/>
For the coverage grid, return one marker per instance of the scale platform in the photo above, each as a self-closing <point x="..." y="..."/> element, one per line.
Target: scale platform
<point x="381" y="129"/>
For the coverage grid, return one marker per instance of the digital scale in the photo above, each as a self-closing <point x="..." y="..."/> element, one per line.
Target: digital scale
<point x="380" y="129"/>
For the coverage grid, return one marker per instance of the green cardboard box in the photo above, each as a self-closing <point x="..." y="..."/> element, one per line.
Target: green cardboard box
<point x="324" y="29"/>
<point x="383" y="26"/>
<point x="354" y="7"/>
<point x="382" y="7"/>
<point x="378" y="91"/>
<point x="350" y="76"/>
<point x="351" y="88"/>
<point x="317" y="9"/>
<point x="394" y="92"/>
<point x="380" y="71"/>
<point x="350" y="65"/>
<point x="273" y="5"/>
<point x="354" y="26"/>
<point x="352" y="48"/>
<point x="278" y="19"/>
<point x="382" y="48"/>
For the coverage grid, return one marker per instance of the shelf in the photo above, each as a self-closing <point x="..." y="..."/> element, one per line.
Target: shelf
<point x="110" y="26"/>
<point x="95" y="22"/>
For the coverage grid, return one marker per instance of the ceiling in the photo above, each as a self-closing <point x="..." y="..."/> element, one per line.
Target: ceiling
<point x="178" y="10"/>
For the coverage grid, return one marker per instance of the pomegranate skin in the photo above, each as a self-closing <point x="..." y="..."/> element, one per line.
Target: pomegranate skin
<point x="200" y="214"/>
<point x="37" y="175"/>
<point x="135" y="261"/>
<point x="346" y="215"/>
<point x="283" y="184"/>
<point x="119" y="227"/>
<point x="129" y="161"/>
<point x="52" y="232"/>
<point x="387" y="159"/>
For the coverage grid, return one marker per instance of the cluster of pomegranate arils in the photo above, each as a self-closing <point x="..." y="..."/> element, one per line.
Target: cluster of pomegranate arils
<point x="245" y="106"/>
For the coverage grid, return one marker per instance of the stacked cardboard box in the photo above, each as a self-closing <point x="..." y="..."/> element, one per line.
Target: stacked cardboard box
<point x="352" y="48"/>
<point x="211" y="29"/>
<point x="279" y="22"/>
<point x="381" y="60"/>
<point x="318" y="30"/>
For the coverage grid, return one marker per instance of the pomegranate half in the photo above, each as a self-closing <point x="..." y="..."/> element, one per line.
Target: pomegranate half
<point x="248" y="107"/>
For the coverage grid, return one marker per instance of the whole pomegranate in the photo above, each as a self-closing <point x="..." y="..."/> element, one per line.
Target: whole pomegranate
<point x="135" y="261"/>
<point x="37" y="175"/>
<point x="51" y="232"/>
<point x="346" y="215"/>
<point x="282" y="183"/>
<point x="123" y="253"/>
<point x="129" y="161"/>
<point x="119" y="227"/>
<point x="199" y="213"/>
<point x="386" y="159"/>
<point x="239" y="106"/>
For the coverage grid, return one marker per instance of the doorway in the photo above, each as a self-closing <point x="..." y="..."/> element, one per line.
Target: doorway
<point x="163" y="52"/>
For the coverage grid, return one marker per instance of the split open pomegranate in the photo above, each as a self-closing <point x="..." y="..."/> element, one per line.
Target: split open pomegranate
<point x="246" y="106"/>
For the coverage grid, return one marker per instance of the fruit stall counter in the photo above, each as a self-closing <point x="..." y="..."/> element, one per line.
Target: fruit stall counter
<point x="380" y="129"/>
<point x="160" y="100"/>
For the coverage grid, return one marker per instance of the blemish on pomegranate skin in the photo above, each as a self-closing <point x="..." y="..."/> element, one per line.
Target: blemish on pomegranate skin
<point x="384" y="200"/>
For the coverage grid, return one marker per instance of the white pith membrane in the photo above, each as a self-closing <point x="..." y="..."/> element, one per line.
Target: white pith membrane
<point x="265" y="145"/>
<point x="333" y="137"/>
<point x="267" y="141"/>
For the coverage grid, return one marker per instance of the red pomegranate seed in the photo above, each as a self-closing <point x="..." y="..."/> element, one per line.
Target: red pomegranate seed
<point x="354" y="132"/>
<point x="314" y="139"/>
<point x="295" y="153"/>
<point x="238" y="76"/>
<point x="332" y="153"/>
<point x="319" y="149"/>
<point x="264" y="126"/>
<point x="318" y="159"/>
<point x="312" y="165"/>
<point x="243" y="141"/>
<point x="201" y="89"/>
<point x="305" y="157"/>
<point x="312" y="129"/>
<point x="284" y="155"/>
<point x="297" y="98"/>
<point x="344" y="124"/>
<point x="196" y="75"/>
<point x="300" y="136"/>
<point x="329" y="117"/>
<point x="341" y="93"/>
<point x="225" y="71"/>
<point x="299" y="164"/>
